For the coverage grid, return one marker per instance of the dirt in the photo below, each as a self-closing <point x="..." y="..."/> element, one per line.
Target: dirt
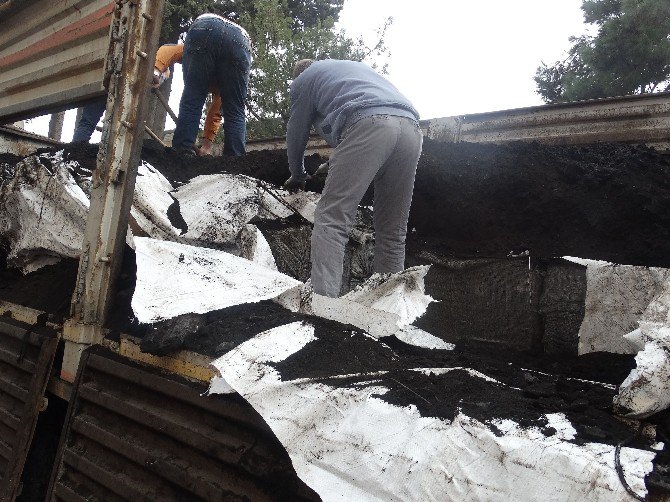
<point x="216" y="332"/>
<point x="528" y="388"/>
<point x="48" y="289"/>
<point x="601" y="201"/>
<point x="268" y="165"/>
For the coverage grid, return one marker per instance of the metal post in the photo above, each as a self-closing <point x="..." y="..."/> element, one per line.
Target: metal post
<point x="133" y="43"/>
<point x="56" y="125"/>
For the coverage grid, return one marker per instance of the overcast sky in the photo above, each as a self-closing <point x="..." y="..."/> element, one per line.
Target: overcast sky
<point x="452" y="57"/>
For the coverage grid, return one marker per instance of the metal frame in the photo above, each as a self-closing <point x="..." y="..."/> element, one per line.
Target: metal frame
<point x="134" y="34"/>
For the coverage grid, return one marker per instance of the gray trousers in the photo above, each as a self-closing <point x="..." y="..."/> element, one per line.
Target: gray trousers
<point x="381" y="148"/>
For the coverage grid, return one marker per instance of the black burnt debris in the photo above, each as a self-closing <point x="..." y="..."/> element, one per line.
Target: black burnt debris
<point x="516" y="208"/>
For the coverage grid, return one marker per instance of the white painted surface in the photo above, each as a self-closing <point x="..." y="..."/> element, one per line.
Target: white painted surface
<point x="216" y="207"/>
<point x="151" y="201"/>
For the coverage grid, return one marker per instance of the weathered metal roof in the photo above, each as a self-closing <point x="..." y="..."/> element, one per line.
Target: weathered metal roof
<point x="52" y="54"/>
<point x="635" y="119"/>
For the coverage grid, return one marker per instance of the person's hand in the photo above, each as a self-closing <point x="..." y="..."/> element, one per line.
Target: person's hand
<point x="205" y="148"/>
<point x="293" y="184"/>
<point x="155" y="82"/>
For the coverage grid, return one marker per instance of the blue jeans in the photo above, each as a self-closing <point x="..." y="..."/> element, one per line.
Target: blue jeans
<point x="90" y="117"/>
<point x="216" y="54"/>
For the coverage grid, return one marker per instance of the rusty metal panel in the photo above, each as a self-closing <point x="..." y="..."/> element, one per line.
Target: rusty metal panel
<point x="52" y="55"/>
<point x="635" y="119"/>
<point x="26" y="356"/>
<point x="134" y="433"/>
<point x="134" y="34"/>
<point x="19" y="142"/>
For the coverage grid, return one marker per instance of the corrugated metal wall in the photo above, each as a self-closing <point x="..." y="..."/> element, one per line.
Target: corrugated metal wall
<point x="134" y="433"/>
<point x="52" y="54"/>
<point x="26" y="356"/>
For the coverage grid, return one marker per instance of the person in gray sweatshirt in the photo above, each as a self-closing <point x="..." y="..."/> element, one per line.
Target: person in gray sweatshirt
<point x="375" y="132"/>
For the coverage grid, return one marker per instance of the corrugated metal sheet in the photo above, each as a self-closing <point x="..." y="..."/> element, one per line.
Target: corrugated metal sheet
<point x="635" y="119"/>
<point x="19" y="142"/>
<point x="52" y="54"/>
<point x="134" y="433"/>
<point x="26" y="356"/>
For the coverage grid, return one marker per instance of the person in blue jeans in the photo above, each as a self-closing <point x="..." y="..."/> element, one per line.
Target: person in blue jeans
<point x="91" y="115"/>
<point x="216" y="58"/>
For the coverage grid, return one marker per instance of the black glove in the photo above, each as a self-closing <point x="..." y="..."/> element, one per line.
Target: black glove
<point x="322" y="170"/>
<point x="293" y="185"/>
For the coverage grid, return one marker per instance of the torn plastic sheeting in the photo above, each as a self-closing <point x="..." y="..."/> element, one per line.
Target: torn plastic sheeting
<point x="151" y="201"/>
<point x="254" y="247"/>
<point x="412" y="335"/>
<point x="349" y="445"/>
<point x="175" y="279"/>
<point x="216" y="207"/>
<point x="42" y="213"/>
<point x="616" y="295"/>
<point x="381" y="305"/>
<point x="646" y="390"/>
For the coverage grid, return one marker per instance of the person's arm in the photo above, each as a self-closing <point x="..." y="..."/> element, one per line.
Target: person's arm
<point x="166" y="56"/>
<point x="297" y="131"/>
<point x="212" y="124"/>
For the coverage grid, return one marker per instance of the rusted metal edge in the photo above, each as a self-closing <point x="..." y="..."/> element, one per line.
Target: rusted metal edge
<point x="20" y="133"/>
<point x="87" y="26"/>
<point x="573" y="104"/>
<point x="135" y="30"/>
<point x="33" y="397"/>
<point x="209" y="450"/>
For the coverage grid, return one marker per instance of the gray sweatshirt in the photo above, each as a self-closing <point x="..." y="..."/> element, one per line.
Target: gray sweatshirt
<point x="332" y="95"/>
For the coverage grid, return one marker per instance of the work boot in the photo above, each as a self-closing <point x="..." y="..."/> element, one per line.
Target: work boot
<point x="187" y="152"/>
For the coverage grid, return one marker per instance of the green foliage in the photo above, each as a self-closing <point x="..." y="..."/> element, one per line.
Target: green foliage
<point x="277" y="47"/>
<point x="283" y="31"/>
<point x="630" y="53"/>
<point x="178" y="14"/>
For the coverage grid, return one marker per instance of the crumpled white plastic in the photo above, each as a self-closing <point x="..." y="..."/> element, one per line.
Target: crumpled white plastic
<point x="382" y="305"/>
<point x="646" y="390"/>
<point x="151" y="201"/>
<point x="175" y="279"/>
<point x="217" y="206"/>
<point x="347" y="444"/>
<point x="42" y="213"/>
<point x="616" y="295"/>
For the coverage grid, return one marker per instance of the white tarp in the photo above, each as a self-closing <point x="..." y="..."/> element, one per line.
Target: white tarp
<point x="347" y="444"/>
<point x="616" y="297"/>
<point x="647" y="389"/>
<point x="175" y="279"/>
<point x="382" y="305"/>
<point x="42" y="213"/>
<point x="254" y="247"/>
<point x="216" y="207"/>
<point x="151" y="201"/>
